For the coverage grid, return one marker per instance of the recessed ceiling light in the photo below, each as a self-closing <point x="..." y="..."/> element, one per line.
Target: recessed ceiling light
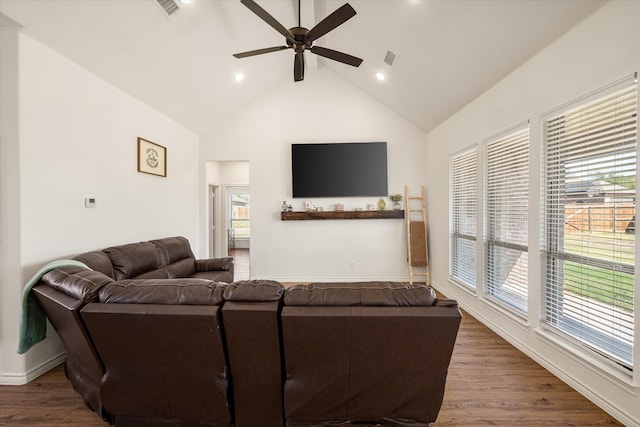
<point x="238" y="77"/>
<point x="185" y="1"/>
<point x="381" y="76"/>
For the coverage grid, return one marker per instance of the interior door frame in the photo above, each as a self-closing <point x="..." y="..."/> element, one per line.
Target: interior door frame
<point x="213" y="222"/>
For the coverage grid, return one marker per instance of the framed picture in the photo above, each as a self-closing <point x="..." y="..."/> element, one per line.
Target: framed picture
<point x="152" y="158"/>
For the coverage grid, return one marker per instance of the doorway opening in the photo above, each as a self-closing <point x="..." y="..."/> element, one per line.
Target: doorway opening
<point x="229" y="219"/>
<point x="239" y="226"/>
<point x="239" y="229"/>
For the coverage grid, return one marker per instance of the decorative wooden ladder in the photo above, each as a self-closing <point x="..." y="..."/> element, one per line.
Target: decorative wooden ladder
<point x="417" y="249"/>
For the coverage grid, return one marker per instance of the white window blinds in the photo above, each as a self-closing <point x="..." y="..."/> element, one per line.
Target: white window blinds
<point x="463" y="214"/>
<point x="506" y="219"/>
<point x="590" y="192"/>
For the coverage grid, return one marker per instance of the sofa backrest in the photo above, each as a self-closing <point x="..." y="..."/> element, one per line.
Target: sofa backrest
<point x="163" y="350"/>
<point x="383" y="358"/>
<point x="251" y="317"/>
<point x="182" y="291"/>
<point x="175" y="256"/>
<point x="156" y="259"/>
<point x="134" y="259"/>
<point x="98" y="261"/>
<point x="387" y="294"/>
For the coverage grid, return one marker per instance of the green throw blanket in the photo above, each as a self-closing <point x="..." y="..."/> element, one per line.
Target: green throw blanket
<point x="33" y="322"/>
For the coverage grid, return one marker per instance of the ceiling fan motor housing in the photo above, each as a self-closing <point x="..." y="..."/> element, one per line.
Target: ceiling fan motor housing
<point x="300" y="35"/>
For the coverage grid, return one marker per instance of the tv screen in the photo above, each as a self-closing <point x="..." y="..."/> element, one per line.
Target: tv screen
<point x="356" y="169"/>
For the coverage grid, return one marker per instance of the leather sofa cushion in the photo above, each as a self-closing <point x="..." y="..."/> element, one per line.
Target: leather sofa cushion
<point x="389" y="294"/>
<point x="163" y="291"/>
<point x="214" y="264"/>
<point x="133" y="259"/>
<point x="98" y="261"/>
<point x="181" y="268"/>
<point x="172" y="249"/>
<point x="215" y="276"/>
<point x="160" y="273"/>
<point x="253" y="290"/>
<point x="77" y="282"/>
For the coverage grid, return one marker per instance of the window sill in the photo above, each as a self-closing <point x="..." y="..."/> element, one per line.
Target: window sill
<point x="610" y="370"/>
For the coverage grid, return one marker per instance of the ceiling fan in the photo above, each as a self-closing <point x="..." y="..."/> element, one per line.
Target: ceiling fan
<point x="300" y="39"/>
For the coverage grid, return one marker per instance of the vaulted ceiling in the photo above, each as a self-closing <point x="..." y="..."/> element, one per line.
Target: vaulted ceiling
<point x="448" y="52"/>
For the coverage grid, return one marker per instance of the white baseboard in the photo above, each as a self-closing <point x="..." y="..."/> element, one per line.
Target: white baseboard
<point x="32" y="374"/>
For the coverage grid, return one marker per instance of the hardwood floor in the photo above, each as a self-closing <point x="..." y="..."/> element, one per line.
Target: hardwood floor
<point x="490" y="383"/>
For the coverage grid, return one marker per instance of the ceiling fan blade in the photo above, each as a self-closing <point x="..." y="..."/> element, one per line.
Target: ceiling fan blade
<point x="337" y="18"/>
<point x="260" y="51"/>
<point x="298" y="67"/>
<point x="336" y="56"/>
<point x="264" y="15"/>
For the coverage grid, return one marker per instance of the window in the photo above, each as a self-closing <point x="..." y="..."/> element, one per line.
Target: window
<point x="590" y="202"/>
<point x="506" y="215"/>
<point x="462" y="221"/>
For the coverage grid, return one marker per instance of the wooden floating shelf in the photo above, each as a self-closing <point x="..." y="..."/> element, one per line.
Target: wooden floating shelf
<point x="294" y="216"/>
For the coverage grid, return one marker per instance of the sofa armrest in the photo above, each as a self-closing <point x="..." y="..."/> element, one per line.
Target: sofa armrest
<point x="444" y="302"/>
<point x="214" y="264"/>
<point x="77" y="282"/>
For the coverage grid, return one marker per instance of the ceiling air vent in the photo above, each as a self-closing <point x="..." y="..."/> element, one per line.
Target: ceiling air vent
<point x="168" y="7"/>
<point x="390" y="58"/>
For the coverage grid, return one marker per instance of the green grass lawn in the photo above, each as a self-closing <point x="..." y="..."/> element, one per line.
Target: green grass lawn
<point x="601" y="284"/>
<point x="618" y="247"/>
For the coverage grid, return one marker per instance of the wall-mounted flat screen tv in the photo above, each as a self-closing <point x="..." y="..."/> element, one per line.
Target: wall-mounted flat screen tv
<point x="357" y="169"/>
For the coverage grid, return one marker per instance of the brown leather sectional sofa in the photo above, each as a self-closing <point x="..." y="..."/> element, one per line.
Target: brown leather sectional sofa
<point x="188" y="351"/>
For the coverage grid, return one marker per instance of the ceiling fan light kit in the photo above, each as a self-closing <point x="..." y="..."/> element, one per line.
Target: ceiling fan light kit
<point x="301" y="39"/>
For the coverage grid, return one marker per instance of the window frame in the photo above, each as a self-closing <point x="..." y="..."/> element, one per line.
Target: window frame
<point x="457" y="235"/>
<point x="554" y="254"/>
<point x="516" y="140"/>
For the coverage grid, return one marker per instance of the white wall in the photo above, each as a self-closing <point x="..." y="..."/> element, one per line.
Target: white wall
<point x="10" y="272"/>
<point x="323" y="108"/>
<point x="602" y="49"/>
<point x="78" y="138"/>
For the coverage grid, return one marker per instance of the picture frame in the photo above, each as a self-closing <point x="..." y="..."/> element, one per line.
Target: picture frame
<point x="152" y="158"/>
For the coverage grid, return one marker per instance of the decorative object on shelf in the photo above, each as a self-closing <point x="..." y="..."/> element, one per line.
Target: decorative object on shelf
<point x="396" y="198"/>
<point x="310" y="207"/>
<point x="152" y="158"/>
<point x="285" y="206"/>
<point x="339" y="207"/>
<point x="290" y="208"/>
<point x="382" y="205"/>
<point x="371" y="206"/>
